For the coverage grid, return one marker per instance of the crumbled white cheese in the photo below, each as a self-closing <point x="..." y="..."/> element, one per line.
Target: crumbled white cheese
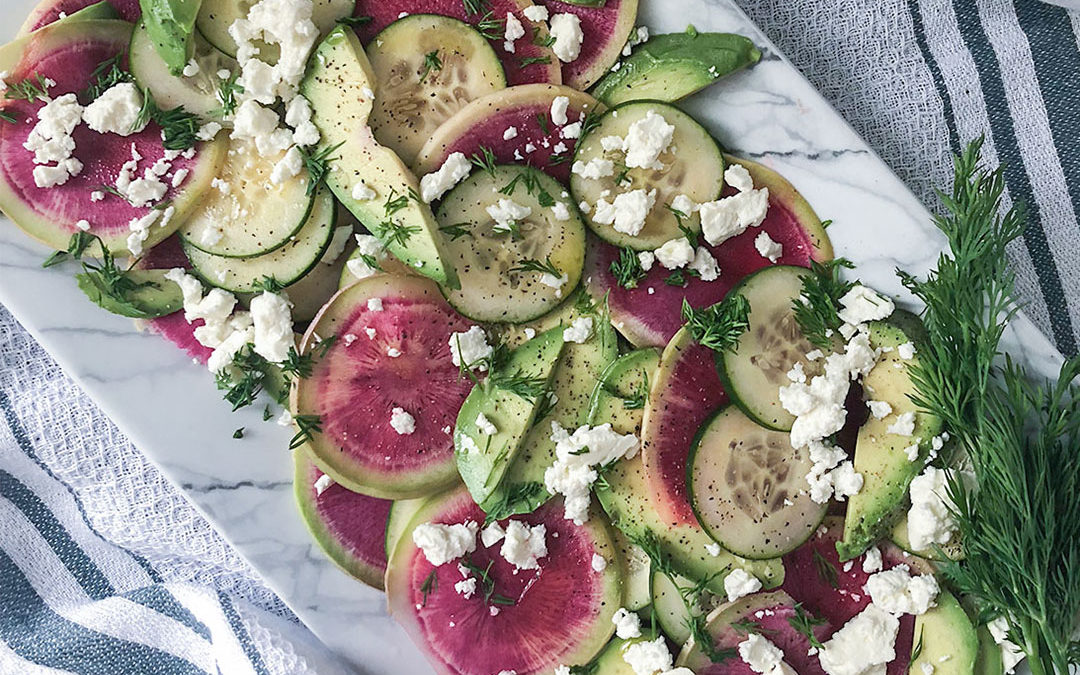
<point x="862" y="304"/>
<point x="485" y="426"/>
<point x="51" y="142"/>
<point x="579" y="331"/>
<point x="393" y="352"/>
<point x="684" y="205"/>
<point x="191" y="69"/>
<point x="289" y="166"/>
<point x="739" y="178"/>
<point x="285" y="23"/>
<point x="471" y="348"/>
<point x="402" y="422"/>
<point x="731" y="216"/>
<point x="637" y="37"/>
<point x="863" y="645"/>
<point x="627" y="624"/>
<point x="375" y="304"/>
<point x="83" y="225"/>
<point x="705" y="265"/>
<point x="903" y="426"/>
<point x="846" y="481"/>
<point x="599" y="563"/>
<point x="872" y="561"/>
<point x="492" y="534"/>
<point x="740" y="583"/>
<point x="566" y="29"/>
<point x="576" y="455"/>
<point x="523" y="546"/>
<point x="648" y="657"/>
<point x="445" y="543"/>
<point x="571" y="131"/>
<point x="514" y="32"/>
<point x="628" y="212"/>
<point x="559" y="106"/>
<point x="675" y="254"/>
<point x="561" y="211"/>
<point x="370" y="249"/>
<point x="434" y="185"/>
<point x="595" y="169"/>
<point x="536" y="13"/>
<point x="646" y="259"/>
<point x="930" y="519"/>
<point x="1011" y="654"/>
<point x="906" y="351"/>
<point x="647" y="139"/>
<point x="116" y="111"/>
<point x="323" y="483"/>
<point x="763" y="656"/>
<point x="896" y="591"/>
<point x="879" y="409"/>
<point x="272" y="318"/>
<point x="530" y="333"/>
<point x="361" y="192"/>
<point x="466" y="587"/>
<point x="507" y="213"/>
<point x="713" y="549"/>
<point x="259" y="125"/>
<point x="768" y="248"/>
<point x="510" y="134"/>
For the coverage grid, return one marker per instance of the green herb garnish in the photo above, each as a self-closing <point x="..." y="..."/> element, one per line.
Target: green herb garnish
<point x="719" y="327"/>
<point x="318" y="164"/>
<point x="432" y="63"/>
<point x="308" y="426"/>
<point x="31" y="89"/>
<point x="484" y="160"/>
<point x="817" y="307"/>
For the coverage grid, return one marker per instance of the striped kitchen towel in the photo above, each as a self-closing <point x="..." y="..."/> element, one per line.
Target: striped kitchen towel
<point x="920" y="78"/>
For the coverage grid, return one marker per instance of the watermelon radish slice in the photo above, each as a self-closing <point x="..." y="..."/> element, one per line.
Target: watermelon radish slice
<point x="174" y="327"/>
<point x="606" y="30"/>
<point x="833" y="590"/>
<point x="685" y="391"/>
<point x="561" y="612"/>
<point x="50" y="11"/>
<point x="485" y="121"/>
<point x="384" y="13"/>
<point x="649" y="319"/>
<point x="350" y="527"/>
<point x="360" y="380"/>
<point x="68" y="53"/>
<point x="772" y="613"/>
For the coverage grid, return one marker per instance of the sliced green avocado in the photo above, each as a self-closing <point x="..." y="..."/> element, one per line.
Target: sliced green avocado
<point x="610" y="660"/>
<point x="340" y="85"/>
<point x="96" y="12"/>
<point x="945" y="639"/>
<point x="573" y="382"/>
<point x="623" y="390"/>
<point x="171" y="24"/>
<point x="483" y="459"/>
<point x="899" y="536"/>
<point x="990" y="661"/>
<point x="153" y="295"/>
<point x="671" y="67"/>
<point x="882" y="457"/>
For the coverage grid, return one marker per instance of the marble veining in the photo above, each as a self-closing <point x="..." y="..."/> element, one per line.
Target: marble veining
<point x="172" y="411"/>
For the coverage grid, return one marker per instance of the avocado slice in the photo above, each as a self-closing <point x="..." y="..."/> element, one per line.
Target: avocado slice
<point x="171" y="24"/>
<point x="152" y="296"/>
<point x="881" y="457"/>
<point x="990" y="661"/>
<point x="674" y="66"/>
<point x="99" y="11"/>
<point x="575" y="377"/>
<point x="483" y="459"/>
<point x="945" y="639"/>
<point x="339" y="85"/>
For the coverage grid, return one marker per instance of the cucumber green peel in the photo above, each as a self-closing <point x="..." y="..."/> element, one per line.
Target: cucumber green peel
<point x="674" y="66"/>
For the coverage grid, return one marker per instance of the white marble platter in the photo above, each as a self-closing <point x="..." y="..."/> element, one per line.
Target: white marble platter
<point x="172" y="411"/>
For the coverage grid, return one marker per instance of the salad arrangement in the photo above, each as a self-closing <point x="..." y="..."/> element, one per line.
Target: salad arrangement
<point x="583" y="392"/>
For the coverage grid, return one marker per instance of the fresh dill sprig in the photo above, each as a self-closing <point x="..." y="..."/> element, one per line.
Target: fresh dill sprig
<point x="243" y="381"/>
<point x="106" y="75"/>
<point x="556" y="160"/>
<point x="181" y="128"/>
<point x="475" y="6"/>
<point x="391" y="232"/>
<point x="490" y="27"/>
<point x="226" y="95"/>
<point x="638" y="399"/>
<point x="484" y="160"/>
<point x="591" y="121"/>
<point x="546" y="405"/>
<point x="355" y="21"/>
<point x="534" y="60"/>
<point x="487" y="582"/>
<point x="542" y="120"/>
<point x="307" y="426"/>
<point x="676" y="278"/>
<point x="31" y="89"/>
<point x="527" y="178"/>
<point x="747" y="627"/>
<point x="77" y="246"/>
<point x="430" y="585"/>
<point x="8" y="117"/>
<point x="395" y="203"/>
<point x="804" y="623"/>
<point x="587" y="669"/>
<point x="514" y="500"/>
<point x="719" y="327"/>
<point x="318" y="165"/>
<point x="267" y="413"/>
<point x="627" y="269"/>
<point x="269" y="284"/>
<point x="432" y="63"/>
<point x="456" y="230"/>
<point x="817" y="307"/>
<point x="239" y="433"/>
<point x="825" y="569"/>
<point x="533" y="265"/>
<point x="917" y="650"/>
<point x="528" y="387"/>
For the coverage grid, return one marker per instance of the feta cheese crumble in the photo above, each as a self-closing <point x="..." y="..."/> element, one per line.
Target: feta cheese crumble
<point x="559" y="106"/>
<point x="116" y="111"/>
<point x="576" y="455"/>
<point x="731" y="216"/>
<point x="514" y="32"/>
<point x="705" y="265"/>
<point x="648" y="657"/>
<point x="510" y="134"/>
<point x="647" y="139"/>
<point x="628" y="212"/>
<point x="271" y="315"/>
<point x="862" y="304"/>
<point x="579" y="330"/>
<point x="599" y="563"/>
<point x="739" y="178"/>
<point x="903" y="426"/>
<point x="455" y="169"/>
<point x="402" y="422"/>
<point x="675" y="254"/>
<point x="566" y="29"/>
<point x="536" y="13"/>
<point x="595" y="169"/>
<point x="370" y="250"/>
<point x="1011" y="654"/>
<point x="627" y="624"/>
<point x="322" y="484"/>
<point x="51" y="142"/>
<point x="466" y="587"/>
<point x="445" y="543"/>
<point x="484" y="425"/>
<point x="930" y="519"/>
<point x="507" y="213"/>
<point x="492" y="534"/>
<point x="470" y="348"/>
<point x="740" y="583"/>
<point x="767" y="248"/>
<point x="524" y="546"/>
<point x="863" y="646"/>
<point x="897" y="592"/>
<point x="763" y="656"/>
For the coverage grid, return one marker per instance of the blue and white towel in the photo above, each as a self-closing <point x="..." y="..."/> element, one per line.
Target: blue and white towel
<point x="104" y="568"/>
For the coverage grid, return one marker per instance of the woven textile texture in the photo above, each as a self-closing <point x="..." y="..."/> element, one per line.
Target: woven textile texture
<point x="917" y="78"/>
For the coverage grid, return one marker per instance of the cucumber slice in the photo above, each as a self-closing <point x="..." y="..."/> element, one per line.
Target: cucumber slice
<point x="286" y="265"/>
<point x="428" y="67"/>
<point x="496" y="268"/>
<point x="757" y="368"/>
<point x="623" y="390"/>
<point x="153" y="297"/>
<point x="247" y="216"/>
<point x="748" y="487"/>
<point x="197" y="94"/>
<point x="637" y="572"/>
<point x="693" y="166"/>
<point x="671" y="612"/>
<point x="672" y="67"/>
<point x="215" y="17"/>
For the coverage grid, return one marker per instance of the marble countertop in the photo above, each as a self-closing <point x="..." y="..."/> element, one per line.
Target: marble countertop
<point x="172" y="411"/>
